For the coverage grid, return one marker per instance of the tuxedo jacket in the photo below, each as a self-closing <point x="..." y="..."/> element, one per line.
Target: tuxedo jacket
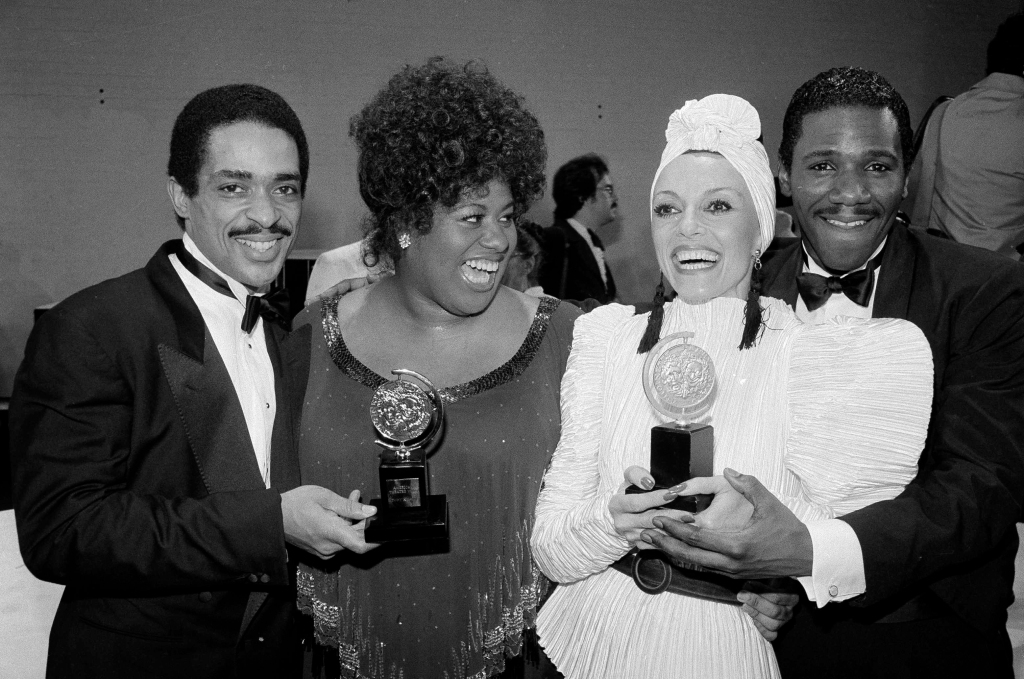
<point x="569" y="269"/>
<point x="136" y="486"/>
<point x="952" y="531"/>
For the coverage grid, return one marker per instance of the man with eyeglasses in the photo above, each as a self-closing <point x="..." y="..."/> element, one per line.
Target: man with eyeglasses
<point x="574" y="265"/>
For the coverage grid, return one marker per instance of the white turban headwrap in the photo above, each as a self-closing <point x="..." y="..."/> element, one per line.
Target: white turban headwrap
<point x="728" y="125"/>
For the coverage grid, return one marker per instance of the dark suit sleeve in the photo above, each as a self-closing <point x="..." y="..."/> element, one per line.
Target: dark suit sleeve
<point x="966" y="498"/>
<point x="78" y="469"/>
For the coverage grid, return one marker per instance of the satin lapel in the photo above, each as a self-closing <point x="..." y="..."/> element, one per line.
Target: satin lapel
<point x="289" y="352"/>
<point x="213" y="419"/>
<point x="781" y="267"/>
<point x="187" y="319"/>
<point x="895" y="276"/>
<point x="205" y="397"/>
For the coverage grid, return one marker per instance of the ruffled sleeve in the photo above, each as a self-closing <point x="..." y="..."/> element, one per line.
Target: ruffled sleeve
<point x="860" y="396"/>
<point x="574" y="536"/>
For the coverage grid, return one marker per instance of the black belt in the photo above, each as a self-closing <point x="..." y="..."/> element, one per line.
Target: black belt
<point x="654" y="573"/>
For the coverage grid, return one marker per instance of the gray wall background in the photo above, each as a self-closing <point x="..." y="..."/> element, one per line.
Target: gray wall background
<point x="89" y="91"/>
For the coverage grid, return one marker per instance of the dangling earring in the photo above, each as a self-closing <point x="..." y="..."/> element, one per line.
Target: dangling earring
<point x="753" y="319"/>
<point x="404" y="240"/>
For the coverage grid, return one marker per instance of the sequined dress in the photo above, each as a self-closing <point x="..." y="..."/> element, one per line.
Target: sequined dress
<point x="829" y="417"/>
<point x="456" y="614"/>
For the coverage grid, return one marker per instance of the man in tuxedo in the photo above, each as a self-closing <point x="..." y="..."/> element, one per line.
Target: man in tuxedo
<point x="154" y="426"/>
<point x="573" y="266"/>
<point x="917" y="585"/>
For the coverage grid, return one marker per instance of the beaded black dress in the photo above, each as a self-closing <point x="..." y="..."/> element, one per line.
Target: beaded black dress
<point x="395" y="613"/>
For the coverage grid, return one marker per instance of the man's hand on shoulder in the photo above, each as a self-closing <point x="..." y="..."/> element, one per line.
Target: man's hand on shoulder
<point x="767" y="541"/>
<point x="323" y="523"/>
<point x="346" y="286"/>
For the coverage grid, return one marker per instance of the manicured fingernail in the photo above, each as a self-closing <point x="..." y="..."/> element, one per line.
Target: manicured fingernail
<point x="646" y="538"/>
<point x="369" y="510"/>
<point x="647" y="482"/>
<point x="669" y="496"/>
<point x="659" y="523"/>
<point x="732" y="472"/>
<point x="678" y="488"/>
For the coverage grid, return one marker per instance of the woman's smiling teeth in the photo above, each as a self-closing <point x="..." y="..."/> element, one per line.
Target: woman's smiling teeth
<point x="696" y="259"/>
<point x="479" y="271"/>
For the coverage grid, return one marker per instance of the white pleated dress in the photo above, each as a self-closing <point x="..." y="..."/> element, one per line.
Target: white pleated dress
<point x="830" y="418"/>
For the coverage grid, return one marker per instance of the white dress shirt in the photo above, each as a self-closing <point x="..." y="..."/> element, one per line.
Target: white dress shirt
<point x="837" y="573"/>
<point x="598" y="252"/>
<point x="244" y="354"/>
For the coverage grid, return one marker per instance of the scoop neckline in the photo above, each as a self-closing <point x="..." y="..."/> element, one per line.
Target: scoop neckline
<point x="506" y="372"/>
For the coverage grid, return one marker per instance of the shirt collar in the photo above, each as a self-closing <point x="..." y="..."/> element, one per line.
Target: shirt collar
<point x="240" y="292"/>
<point x="810" y="266"/>
<point x="581" y="230"/>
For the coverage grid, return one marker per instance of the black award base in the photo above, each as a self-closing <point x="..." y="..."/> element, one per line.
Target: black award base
<point x="429" y="522"/>
<point x="678" y="453"/>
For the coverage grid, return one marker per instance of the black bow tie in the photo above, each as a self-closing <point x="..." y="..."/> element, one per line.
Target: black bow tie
<point x="275" y="306"/>
<point x="856" y="285"/>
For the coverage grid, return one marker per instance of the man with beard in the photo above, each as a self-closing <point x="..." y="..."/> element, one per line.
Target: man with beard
<point x="573" y="266"/>
<point x="154" y="426"/>
<point x="917" y="585"/>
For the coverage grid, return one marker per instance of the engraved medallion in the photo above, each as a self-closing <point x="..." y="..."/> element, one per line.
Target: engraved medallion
<point x="679" y="378"/>
<point x="407" y="412"/>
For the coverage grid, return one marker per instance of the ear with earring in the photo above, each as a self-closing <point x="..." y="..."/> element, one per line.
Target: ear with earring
<point x="404" y="240"/>
<point x="752" y="320"/>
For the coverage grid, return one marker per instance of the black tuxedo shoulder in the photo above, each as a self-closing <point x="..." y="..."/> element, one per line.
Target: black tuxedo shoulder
<point x="779" y="247"/>
<point x="114" y="309"/>
<point x="962" y="263"/>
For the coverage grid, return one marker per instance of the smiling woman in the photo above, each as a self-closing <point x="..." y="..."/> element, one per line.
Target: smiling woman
<point x="448" y="159"/>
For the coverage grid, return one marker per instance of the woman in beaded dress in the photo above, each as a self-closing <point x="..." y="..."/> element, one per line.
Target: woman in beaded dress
<point x="448" y="160"/>
<point x="830" y="417"/>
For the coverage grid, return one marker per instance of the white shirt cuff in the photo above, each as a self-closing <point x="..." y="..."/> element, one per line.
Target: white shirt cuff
<point x="837" y="573"/>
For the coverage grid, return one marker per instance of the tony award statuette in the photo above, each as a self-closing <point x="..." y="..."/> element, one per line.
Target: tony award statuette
<point x="407" y="413"/>
<point x="679" y="380"/>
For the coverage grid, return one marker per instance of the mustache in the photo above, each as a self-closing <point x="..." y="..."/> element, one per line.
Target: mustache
<point x="835" y="211"/>
<point x="256" y="229"/>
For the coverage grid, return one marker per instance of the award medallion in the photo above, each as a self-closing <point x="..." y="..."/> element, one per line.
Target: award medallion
<point x="679" y="378"/>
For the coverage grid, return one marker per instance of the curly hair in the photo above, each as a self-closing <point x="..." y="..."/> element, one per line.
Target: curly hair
<point x="433" y="133"/>
<point x="841" y="87"/>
